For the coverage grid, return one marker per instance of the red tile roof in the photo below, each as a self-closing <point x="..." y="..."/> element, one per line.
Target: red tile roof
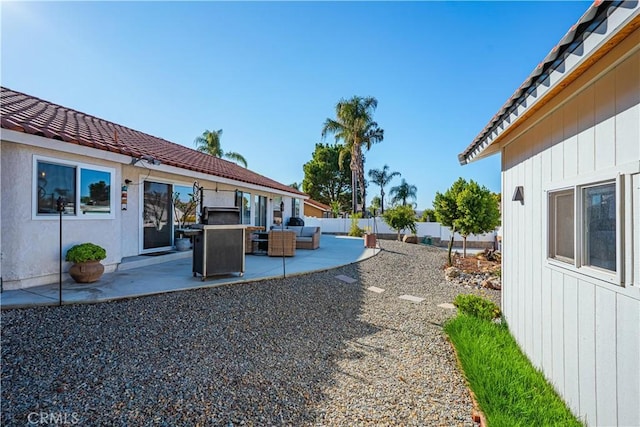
<point x="24" y="113"/>
<point x="318" y="205"/>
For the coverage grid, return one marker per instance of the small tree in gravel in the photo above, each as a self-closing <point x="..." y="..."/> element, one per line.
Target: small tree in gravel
<point x="400" y="218"/>
<point x="467" y="209"/>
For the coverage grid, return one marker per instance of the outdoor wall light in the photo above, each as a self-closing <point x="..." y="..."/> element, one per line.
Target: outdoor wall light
<point x="518" y="194"/>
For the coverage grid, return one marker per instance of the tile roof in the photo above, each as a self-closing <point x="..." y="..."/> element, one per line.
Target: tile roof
<point x="24" y="113"/>
<point x="318" y="205"/>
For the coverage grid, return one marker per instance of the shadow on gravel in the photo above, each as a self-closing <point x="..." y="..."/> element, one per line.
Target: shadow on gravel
<point x="261" y="353"/>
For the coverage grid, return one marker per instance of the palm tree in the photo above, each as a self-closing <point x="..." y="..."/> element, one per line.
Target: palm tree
<point x="403" y="192"/>
<point x="382" y="178"/>
<point x="209" y="142"/>
<point x="355" y="126"/>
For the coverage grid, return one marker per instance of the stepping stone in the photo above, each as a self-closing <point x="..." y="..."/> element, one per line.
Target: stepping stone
<point x="411" y="298"/>
<point x="447" y="305"/>
<point x="346" y="279"/>
<point x="375" y="289"/>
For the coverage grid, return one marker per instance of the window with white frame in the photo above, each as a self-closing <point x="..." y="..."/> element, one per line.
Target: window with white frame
<point x="277" y="213"/>
<point x="243" y="201"/>
<point x="583" y="227"/>
<point x="295" y="207"/>
<point x="86" y="189"/>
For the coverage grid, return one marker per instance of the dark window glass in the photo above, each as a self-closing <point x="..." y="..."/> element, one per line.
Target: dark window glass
<point x="56" y="181"/>
<point x="599" y="226"/>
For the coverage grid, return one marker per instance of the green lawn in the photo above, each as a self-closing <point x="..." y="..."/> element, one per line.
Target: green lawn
<point x="509" y="390"/>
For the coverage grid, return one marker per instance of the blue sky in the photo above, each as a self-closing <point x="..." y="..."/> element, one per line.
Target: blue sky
<point x="270" y="73"/>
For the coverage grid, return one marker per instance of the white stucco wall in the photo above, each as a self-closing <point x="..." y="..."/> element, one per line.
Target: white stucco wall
<point x="581" y="331"/>
<point x="31" y="246"/>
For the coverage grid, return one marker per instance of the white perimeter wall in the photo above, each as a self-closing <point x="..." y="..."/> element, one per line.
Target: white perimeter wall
<point x="584" y="333"/>
<point x="432" y="229"/>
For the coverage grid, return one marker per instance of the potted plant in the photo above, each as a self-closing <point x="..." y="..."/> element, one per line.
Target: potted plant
<point x="86" y="259"/>
<point x="184" y="212"/>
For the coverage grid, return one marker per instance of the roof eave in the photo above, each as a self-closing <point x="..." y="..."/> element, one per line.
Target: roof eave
<point x="543" y="83"/>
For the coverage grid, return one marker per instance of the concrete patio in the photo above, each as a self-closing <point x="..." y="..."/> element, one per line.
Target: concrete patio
<point x="149" y="275"/>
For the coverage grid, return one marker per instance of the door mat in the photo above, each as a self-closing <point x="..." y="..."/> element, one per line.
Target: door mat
<point x="159" y="253"/>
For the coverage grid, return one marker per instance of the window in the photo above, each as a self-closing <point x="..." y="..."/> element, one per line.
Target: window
<point x="295" y="207"/>
<point x="277" y="213"/>
<point x="260" y="203"/>
<point x="599" y="226"/>
<point x="243" y="201"/>
<point x="561" y="226"/>
<point x="87" y="190"/>
<point x="583" y="228"/>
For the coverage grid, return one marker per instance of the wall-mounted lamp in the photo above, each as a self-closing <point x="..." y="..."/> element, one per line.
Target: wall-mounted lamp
<point x="518" y="195"/>
<point x="148" y="159"/>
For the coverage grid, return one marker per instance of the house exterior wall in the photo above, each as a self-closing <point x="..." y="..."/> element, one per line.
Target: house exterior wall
<point x="30" y="243"/>
<point x="312" y="211"/>
<point x="30" y="250"/>
<point x="582" y="331"/>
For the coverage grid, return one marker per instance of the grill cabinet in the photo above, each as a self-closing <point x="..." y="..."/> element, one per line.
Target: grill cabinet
<point x="219" y="248"/>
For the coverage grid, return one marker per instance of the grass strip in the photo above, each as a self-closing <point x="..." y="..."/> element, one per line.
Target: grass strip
<point x="509" y="390"/>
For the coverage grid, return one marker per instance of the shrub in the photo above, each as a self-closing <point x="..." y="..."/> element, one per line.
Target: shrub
<point x="476" y="306"/>
<point x="85" y="252"/>
<point x="355" y="230"/>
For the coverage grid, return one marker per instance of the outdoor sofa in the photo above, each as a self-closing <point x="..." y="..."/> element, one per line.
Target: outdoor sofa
<point x="306" y="237"/>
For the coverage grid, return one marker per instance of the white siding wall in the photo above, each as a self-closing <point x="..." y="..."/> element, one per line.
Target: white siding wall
<point x="582" y="332"/>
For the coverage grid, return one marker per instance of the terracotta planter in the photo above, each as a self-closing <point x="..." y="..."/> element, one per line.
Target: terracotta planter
<point x="86" y="272"/>
<point x="369" y="240"/>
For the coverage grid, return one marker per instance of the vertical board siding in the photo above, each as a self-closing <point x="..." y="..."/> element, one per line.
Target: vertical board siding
<point x="570" y="134"/>
<point x="557" y="333"/>
<point x="606" y="357"/>
<point x="628" y="361"/>
<point x="586" y="131"/>
<point x="536" y="195"/>
<point x="585" y="337"/>
<point x="522" y="278"/>
<point x="605" y="152"/>
<point x="627" y="78"/>
<point x="527" y="247"/>
<point x="587" y="352"/>
<point x="571" y="360"/>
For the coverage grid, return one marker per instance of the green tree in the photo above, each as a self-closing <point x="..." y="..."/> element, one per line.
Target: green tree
<point x="99" y="192"/>
<point x="382" y="178"/>
<point x="428" y="215"/>
<point x="324" y="179"/>
<point x="295" y="186"/>
<point x="403" y="192"/>
<point x="400" y="218"/>
<point x="209" y="142"/>
<point x="466" y="208"/>
<point x="354" y="125"/>
<point x="375" y="205"/>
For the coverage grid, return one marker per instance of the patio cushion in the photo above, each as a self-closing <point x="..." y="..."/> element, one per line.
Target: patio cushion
<point x="304" y="239"/>
<point x="307" y="231"/>
<point x="296" y="228"/>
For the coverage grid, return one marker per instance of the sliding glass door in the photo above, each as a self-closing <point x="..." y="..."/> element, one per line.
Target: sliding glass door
<point x="157" y="218"/>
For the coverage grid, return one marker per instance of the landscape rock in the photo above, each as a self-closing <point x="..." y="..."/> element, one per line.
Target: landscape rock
<point x="410" y="238"/>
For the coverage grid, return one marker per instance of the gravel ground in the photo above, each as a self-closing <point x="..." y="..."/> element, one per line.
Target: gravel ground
<point x="306" y="350"/>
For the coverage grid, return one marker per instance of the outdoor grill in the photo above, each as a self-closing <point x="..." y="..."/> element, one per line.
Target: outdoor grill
<point x="219" y="247"/>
